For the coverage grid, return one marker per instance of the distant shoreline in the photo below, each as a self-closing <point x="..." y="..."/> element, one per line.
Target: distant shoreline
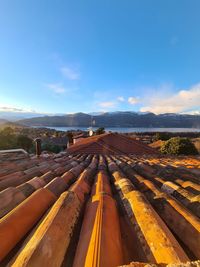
<point x="124" y="129"/>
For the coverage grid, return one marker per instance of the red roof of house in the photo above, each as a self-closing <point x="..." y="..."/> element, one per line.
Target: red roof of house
<point x="111" y="144"/>
<point x="81" y="135"/>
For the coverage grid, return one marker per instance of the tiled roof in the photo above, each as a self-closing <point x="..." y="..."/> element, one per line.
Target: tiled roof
<point x="81" y="135"/>
<point x="110" y="144"/>
<point x="100" y="210"/>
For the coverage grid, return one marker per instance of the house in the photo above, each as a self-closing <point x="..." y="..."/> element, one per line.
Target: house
<point x="79" y="137"/>
<point x="110" y="143"/>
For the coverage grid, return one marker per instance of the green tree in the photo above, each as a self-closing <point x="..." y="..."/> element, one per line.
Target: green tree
<point x="178" y="146"/>
<point x="161" y="136"/>
<point x="100" y="130"/>
<point x="7" y="138"/>
<point x="7" y="131"/>
<point x="25" y="131"/>
<point x="51" y="148"/>
<point x="24" y="142"/>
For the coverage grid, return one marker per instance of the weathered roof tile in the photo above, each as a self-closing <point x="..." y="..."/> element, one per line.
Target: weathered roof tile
<point x="133" y="206"/>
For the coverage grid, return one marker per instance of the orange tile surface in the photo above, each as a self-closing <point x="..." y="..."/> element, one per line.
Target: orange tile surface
<point x="107" y="201"/>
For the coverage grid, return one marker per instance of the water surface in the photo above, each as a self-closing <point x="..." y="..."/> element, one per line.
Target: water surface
<point x="129" y="130"/>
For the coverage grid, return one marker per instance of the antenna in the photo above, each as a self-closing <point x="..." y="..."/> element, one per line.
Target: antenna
<point x="92" y="122"/>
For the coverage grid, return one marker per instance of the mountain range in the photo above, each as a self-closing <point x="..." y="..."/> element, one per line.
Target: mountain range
<point x="18" y="115"/>
<point x="116" y="119"/>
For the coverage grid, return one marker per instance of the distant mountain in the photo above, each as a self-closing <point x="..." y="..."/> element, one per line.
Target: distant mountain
<point x="96" y="113"/>
<point x="117" y="119"/>
<point x="14" y="116"/>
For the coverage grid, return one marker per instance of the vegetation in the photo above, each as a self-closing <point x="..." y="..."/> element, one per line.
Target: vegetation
<point x="24" y="142"/>
<point x="196" y="142"/>
<point x="9" y="140"/>
<point x="51" y="148"/>
<point x="18" y="137"/>
<point x="162" y="136"/>
<point x="178" y="146"/>
<point x="100" y="130"/>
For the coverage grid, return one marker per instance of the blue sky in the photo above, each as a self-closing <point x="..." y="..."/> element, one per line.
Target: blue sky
<point x="104" y="55"/>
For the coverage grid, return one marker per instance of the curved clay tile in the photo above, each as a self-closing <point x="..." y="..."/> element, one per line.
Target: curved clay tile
<point x="177" y="217"/>
<point x="15" y="225"/>
<point x="100" y="238"/>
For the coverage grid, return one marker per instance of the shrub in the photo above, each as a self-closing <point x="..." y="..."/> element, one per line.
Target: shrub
<point x="161" y="136"/>
<point x="178" y="146"/>
<point x="8" y="139"/>
<point x="51" y="148"/>
<point x="24" y="142"/>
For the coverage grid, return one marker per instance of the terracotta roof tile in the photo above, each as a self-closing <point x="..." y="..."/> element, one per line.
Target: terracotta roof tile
<point x="110" y="144"/>
<point x="105" y="210"/>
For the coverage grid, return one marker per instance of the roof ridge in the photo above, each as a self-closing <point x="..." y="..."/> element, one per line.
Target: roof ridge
<point x="108" y="147"/>
<point x="137" y="142"/>
<point x="111" y="147"/>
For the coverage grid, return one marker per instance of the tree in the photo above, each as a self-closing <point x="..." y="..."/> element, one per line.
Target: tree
<point x="100" y="130"/>
<point x="161" y="136"/>
<point x="7" y="138"/>
<point x="7" y="131"/>
<point x="24" y="142"/>
<point x="51" y="148"/>
<point x="46" y="134"/>
<point x="25" y="131"/>
<point x="178" y="146"/>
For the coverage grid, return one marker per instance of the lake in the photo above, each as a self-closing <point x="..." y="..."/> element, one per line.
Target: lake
<point x="129" y="130"/>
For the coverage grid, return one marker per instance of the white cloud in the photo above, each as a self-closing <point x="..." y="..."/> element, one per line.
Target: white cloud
<point x="12" y="109"/>
<point x="192" y="112"/>
<point x="120" y="99"/>
<point x="108" y="104"/>
<point x="56" y="88"/>
<point x="70" y="73"/>
<point x="133" y="100"/>
<point x="180" y="102"/>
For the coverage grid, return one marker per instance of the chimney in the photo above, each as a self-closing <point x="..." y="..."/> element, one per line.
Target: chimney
<point x="38" y="146"/>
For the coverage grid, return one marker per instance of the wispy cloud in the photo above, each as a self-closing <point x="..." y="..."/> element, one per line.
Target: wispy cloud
<point x="112" y="103"/>
<point x="133" y="100"/>
<point x="12" y="109"/>
<point x="108" y="104"/>
<point x="56" y="88"/>
<point x="192" y="112"/>
<point x="179" y="102"/>
<point x="120" y="99"/>
<point x="70" y="73"/>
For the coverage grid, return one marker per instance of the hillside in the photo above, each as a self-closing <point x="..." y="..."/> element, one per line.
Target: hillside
<point x="117" y="119"/>
<point x="2" y="121"/>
